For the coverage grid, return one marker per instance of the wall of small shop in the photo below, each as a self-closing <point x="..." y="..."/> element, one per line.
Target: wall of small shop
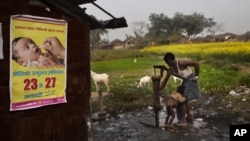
<point x="60" y="122"/>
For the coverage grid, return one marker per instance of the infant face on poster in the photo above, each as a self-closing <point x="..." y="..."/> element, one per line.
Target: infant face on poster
<point x="26" y="53"/>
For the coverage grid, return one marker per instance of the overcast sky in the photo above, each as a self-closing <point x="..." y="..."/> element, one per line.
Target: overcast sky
<point x="234" y="14"/>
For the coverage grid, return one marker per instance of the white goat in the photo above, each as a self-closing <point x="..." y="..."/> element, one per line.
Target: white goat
<point x="100" y="78"/>
<point x="144" y="81"/>
<point x="177" y="79"/>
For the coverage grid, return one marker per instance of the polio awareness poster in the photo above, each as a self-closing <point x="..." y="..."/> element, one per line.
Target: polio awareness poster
<point x="38" y="48"/>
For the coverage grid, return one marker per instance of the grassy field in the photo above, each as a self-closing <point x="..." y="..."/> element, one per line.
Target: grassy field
<point x="220" y="69"/>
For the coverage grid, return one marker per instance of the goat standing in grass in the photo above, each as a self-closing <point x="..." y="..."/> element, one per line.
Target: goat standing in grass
<point x="144" y="81"/>
<point x="100" y="78"/>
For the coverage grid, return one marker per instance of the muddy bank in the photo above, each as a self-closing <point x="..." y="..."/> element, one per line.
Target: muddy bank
<point x="213" y="115"/>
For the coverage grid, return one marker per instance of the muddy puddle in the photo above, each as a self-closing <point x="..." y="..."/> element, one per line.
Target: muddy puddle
<point x="213" y="116"/>
<point x="140" y="126"/>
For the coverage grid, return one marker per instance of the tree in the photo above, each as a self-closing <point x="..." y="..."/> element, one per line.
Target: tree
<point x="160" y="28"/>
<point x="178" y="22"/>
<point x="194" y="24"/>
<point x="140" y="28"/>
<point x="159" y="24"/>
<point x="178" y="27"/>
<point x="164" y="30"/>
<point x="95" y="37"/>
<point x="214" y="27"/>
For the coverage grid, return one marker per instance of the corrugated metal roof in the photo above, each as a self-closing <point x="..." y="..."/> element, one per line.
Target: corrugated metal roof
<point x="71" y="8"/>
<point x="78" y="2"/>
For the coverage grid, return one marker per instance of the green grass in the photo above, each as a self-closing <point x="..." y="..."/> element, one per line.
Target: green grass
<point x="124" y="74"/>
<point x="216" y="76"/>
<point x="214" y="79"/>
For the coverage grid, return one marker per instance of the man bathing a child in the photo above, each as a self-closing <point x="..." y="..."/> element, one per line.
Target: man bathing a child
<point x="186" y="92"/>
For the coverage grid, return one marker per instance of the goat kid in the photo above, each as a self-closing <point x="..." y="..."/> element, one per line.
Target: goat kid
<point x="100" y="78"/>
<point x="144" y="81"/>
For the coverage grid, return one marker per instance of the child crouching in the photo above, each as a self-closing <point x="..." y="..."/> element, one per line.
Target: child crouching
<point x="175" y="98"/>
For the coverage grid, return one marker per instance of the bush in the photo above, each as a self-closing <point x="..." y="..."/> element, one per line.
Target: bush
<point x="245" y="80"/>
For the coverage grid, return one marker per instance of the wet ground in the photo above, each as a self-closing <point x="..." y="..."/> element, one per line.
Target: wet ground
<point x="213" y="116"/>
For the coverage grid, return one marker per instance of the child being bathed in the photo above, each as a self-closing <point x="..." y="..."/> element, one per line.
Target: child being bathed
<point x="175" y="98"/>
